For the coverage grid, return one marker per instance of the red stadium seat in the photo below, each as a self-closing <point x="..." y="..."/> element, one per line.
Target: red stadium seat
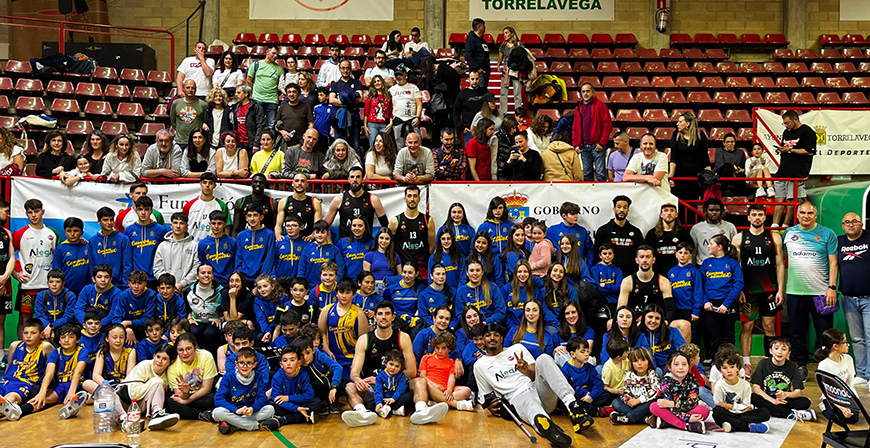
<point x="160" y="112"/>
<point x="699" y="97"/>
<point x="239" y="50"/>
<point x="837" y="83"/>
<point x="133" y="76"/>
<point x="773" y="67"/>
<point x="98" y="109"/>
<point x="727" y="39"/>
<point x="578" y="39"/>
<point x="341" y="39"/>
<point x="105" y="74"/>
<point x="18" y="68"/>
<point x="707" y="115"/>
<point x="613" y="82"/>
<point x="6" y="85"/>
<point x="716" y="134"/>
<point x="579" y="53"/>
<point x="269" y="39"/>
<point x="776" y="98"/>
<point x="456" y="39"/>
<point x="654" y="67"/>
<point x="625" y="39"/>
<point x="688" y="82"/>
<point x="131" y="110"/>
<point x="361" y="40"/>
<point x="65" y="106"/>
<point x="693" y="54"/>
<point x="716" y="54"/>
<point x="29" y="104"/>
<point x="813" y="82"/>
<point x="555" y="53"/>
<point x="628" y="115"/>
<point x="783" y="53"/>
<point x="674" y="97"/>
<point x="4" y="102"/>
<point x="830" y="53"/>
<point x="737" y="82"/>
<point x="630" y="67"/>
<point x="624" y="53"/>
<point x="79" y="127"/>
<point x="570" y="83"/>
<point x="638" y="82"/>
<point x="853" y="53"/>
<point x="663" y="82"/>
<point x="30" y="169"/>
<point x="88" y="90"/>
<point x="594" y="80"/>
<point x="118" y="92"/>
<point x="829" y="39"/>
<point x="622" y="97"/>
<point x="854" y="98"/>
<point x="727" y="67"/>
<point x="703" y="67"/>
<point x="803" y="98"/>
<point x="712" y="82"/>
<point x="805" y="53"/>
<point x="763" y="82"/>
<point x="245" y="39"/>
<point x="725" y="98"/>
<point x="681" y="40"/>
<point x="552" y="113"/>
<point x="647" y="53"/>
<point x="861" y="81"/>
<point x="864" y="67"/>
<point x="655" y="115"/>
<point x="775" y="39"/>
<point x="602" y="53"/>
<point x="7" y="122"/>
<point x="57" y="88"/>
<point x="354" y="53"/>
<point x="258" y="52"/>
<point x="28" y="87"/>
<point x="648" y="97"/>
<point x="855" y="40"/>
<point x="679" y="67"/>
<point x="113" y="128"/>
<point x="584" y="67"/>
<point x="149" y="130"/>
<point x="315" y="39"/>
<point x="145" y="94"/>
<point x="635" y="133"/>
<point x="821" y="67"/>
<point x="560" y="67"/>
<point x="829" y="98"/>
<point x="751" y="98"/>
<point x="670" y="53"/>
<point x="530" y="40"/>
<point x="552" y="39"/>
<point x="845" y="67"/>
<point x="738" y="116"/>
<point x="602" y="96"/>
<point x="141" y="148"/>
<point x="750" y="39"/>
<point x="285" y="51"/>
<point x="600" y="39"/>
<point x="744" y="135"/>
<point x="787" y="82"/>
<point x="796" y="67"/>
<point x="663" y="133"/>
<point x="292" y="39"/>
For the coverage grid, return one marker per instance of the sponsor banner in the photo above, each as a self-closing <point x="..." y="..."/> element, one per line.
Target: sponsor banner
<point x="854" y="11"/>
<point x="542" y="10"/>
<point x="380" y="10"/>
<point x="542" y="201"/>
<point x="842" y="139"/>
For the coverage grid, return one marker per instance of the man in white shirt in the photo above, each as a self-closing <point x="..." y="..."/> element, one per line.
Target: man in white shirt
<point x="649" y="167"/>
<point x="380" y="69"/>
<point x="196" y="67"/>
<point x="329" y="70"/>
<point x="415" y="49"/>
<point x="407" y="105"/>
<point x="414" y="163"/>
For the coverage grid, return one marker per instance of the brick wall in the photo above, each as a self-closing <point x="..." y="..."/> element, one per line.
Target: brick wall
<point x="727" y="16"/>
<point x="158" y="14"/>
<point x="824" y="18"/>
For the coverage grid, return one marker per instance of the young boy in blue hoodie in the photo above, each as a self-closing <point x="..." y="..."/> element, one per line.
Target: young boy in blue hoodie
<point x="153" y="337"/>
<point x="607" y="277"/>
<point x="324" y="373"/>
<point x="71" y="256"/>
<point x="324" y="293"/>
<point x="289" y="323"/>
<point x="98" y="296"/>
<point x="90" y="340"/>
<point x="145" y="235"/>
<point x="323" y="115"/>
<point x="244" y="337"/>
<point x="570" y="213"/>
<point x="217" y="249"/>
<point x="54" y="306"/>
<point x="256" y="245"/>
<point x="582" y="376"/>
<point x="391" y="393"/>
<point x="687" y="285"/>
<point x="319" y="252"/>
<point x="134" y="305"/>
<point x="292" y="392"/>
<point x="290" y="249"/>
<point x="111" y="247"/>
<point x="169" y="303"/>
<point x="241" y="401"/>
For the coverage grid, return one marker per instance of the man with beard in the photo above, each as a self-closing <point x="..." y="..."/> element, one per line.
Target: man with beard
<point x="308" y="208"/>
<point x="625" y="237"/>
<point x="380" y="69"/>
<point x="529" y="388"/>
<point x="764" y="280"/>
<point x="257" y="196"/>
<point x="355" y="202"/>
<point x="413" y="232"/>
<point x="369" y="361"/>
<point x="713" y="225"/>
<point x="665" y="236"/>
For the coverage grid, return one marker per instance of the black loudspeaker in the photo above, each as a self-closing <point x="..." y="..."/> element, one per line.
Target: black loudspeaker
<point x="119" y="56"/>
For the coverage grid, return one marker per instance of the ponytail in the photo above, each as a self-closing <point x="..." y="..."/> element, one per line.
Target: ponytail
<point x="827" y="341"/>
<point x="730" y="249"/>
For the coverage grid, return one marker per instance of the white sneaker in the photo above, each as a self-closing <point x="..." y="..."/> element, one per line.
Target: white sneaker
<point x="858" y="381"/>
<point x="355" y="418"/>
<point x="385" y="411"/>
<point x="464" y="405"/>
<point x="161" y="420"/>
<point x="771" y="193"/>
<point x="430" y="414"/>
<point x="760" y="192"/>
<point x="70" y="409"/>
<point x="400" y="412"/>
<point x="808" y="415"/>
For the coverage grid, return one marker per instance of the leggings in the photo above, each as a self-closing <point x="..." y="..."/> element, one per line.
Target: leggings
<point x="741" y="421"/>
<point x="190" y="411"/>
<point x="208" y="335"/>
<point x="670" y="418"/>
<point x="781" y="410"/>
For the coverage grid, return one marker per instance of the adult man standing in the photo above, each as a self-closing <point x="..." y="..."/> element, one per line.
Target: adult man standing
<point x="649" y="167"/>
<point x="713" y="225"/>
<point x="619" y="158"/>
<point x="163" y="158"/>
<point x="796" y="161"/>
<point x="812" y="276"/>
<point x="355" y="201"/>
<point x="329" y="71"/>
<point x="625" y="237"/>
<point x="258" y="196"/>
<point x="304" y="157"/>
<point x="450" y="161"/>
<point x="263" y="77"/>
<point x="308" y="208"/>
<point x="570" y="213"/>
<point x="407" y="105"/>
<point x="763" y="280"/>
<point x="368" y="361"/>
<point x="477" y="51"/>
<point x="128" y="216"/>
<point x="467" y="105"/>
<point x="414" y="163"/>
<point x="854" y="262"/>
<point x="248" y="119"/>
<point x="346" y="93"/>
<point x="293" y="115"/>
<point x="380" y="68"/>
<point x="665" y="236"/>
<point x="592" y="129"/>
<point x="413" y="232"/>
<point x="199" y="68"/>
<point x="198" y="208"/>
<point x="187" y="114"/>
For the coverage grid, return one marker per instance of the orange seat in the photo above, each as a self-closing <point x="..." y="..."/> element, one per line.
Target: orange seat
<point x="703" y="67"/>
<point x="773" y="67"/>
<point x="688" y="82"/>
<point x="727" y="67"/>
<point x="622" y="97"/>
<point x="725" y="98"/>
<point x="845" y="67"/>
<point x="787" y="82"/>
<point x="821" y="67"/>
<point x="750" y="67"/>
<point x="655" y="115"/>
<point x="837" y="83"/>
<point x="829" y="98"/>
<point x="613" y="82"/>
<point x="796" y="67"/>
<point x="738" y="116"/>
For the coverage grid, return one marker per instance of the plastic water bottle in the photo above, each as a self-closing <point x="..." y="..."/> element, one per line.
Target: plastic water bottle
<point x="134" y="418"/>
<point x="104" y="409"/>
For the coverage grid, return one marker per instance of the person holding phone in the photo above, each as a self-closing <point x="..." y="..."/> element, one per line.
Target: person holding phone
<point x="523" y="164"/>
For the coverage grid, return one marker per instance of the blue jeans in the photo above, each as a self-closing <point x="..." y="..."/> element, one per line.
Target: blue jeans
<point x="800" y="309"/>
<point x="634" y="414"/>
<point x="706" y="395"/>
<point x="374" y="129"/>
<point x="592" y="158"/>
<point x="857" y="312"/>
<point x="270" y="110"/>
<point x="351" y="135"/>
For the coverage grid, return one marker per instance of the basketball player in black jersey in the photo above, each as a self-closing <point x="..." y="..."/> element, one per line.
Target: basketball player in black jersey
<point x="414" y="232"/>
<point x="257" y="196"/>
<point x="645" y="286"/>
<point x="307" y="207"/>
<point x="368" y="362"/>
<point x="355" y="202"/>
<point x="764" y="280"/>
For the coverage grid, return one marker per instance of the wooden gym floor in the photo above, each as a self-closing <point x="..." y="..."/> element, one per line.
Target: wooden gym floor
<point x="457" y="430"/>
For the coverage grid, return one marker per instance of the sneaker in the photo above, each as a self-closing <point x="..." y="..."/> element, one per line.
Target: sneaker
<point x="334" y="408"/>
<point x="385" y="411"/>
<point x="161" y="420"/>
<point x="8" y="409"/>
<point x="653" y="422"/>
<point x="400" y="412"/>
<point x="747" y="371"/>
<point x="430" y="414"/>
<point x="206" y="417"/>
<point x="355" y="418"/>
<point x="726" y="427"/>
<point x="605" y="411"/>
<point x="310" y="419"/>
<point x="805" y="372"/>
<point x="760" y="192"/>
<point x="696" y="427"/>
<point x="771" y="193"/>
<point x="858" y="381"/>
<point x="550" y="431"/>
<point x="70" y="409"/>
<point x="618" y="418"/>
<point x="808" y="415"/>
<point x="464" y="405"/>
<point x="580" y="420"/>
<point x="271" y="424"/>
<point x="759" y="428"/>
<point x="226" y="428"/>
<point x="324" y="410"/>
<point x="4" y="362"/>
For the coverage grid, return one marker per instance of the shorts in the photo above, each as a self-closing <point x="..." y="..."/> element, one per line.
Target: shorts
<point x="26" y="299"/>
<point x="6" y="299"/>
<point x="62" y="389"/>
<point x="763" y="305"/>
<point x="24" y="390"/>
<point x="785" y="189"/>
<point x="66" y="6"/>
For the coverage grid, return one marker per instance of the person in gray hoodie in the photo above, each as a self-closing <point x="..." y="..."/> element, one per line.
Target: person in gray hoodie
<point x="164" y="158"/>
<point x="177" y="254"/>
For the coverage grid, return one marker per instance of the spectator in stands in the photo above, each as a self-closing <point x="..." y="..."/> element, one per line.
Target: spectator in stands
<point x="730" y="162"/>
<point x="308" y="90"/>
<point x="392" y="48"/>
<point x="447" y="82"/>
<point x="758" y="165"/>
<point x="228" y="76"/>
<point x="500" y="146"/>
<point x="339" y="160"/>
<point x="199" y="68"/>
<point x="523" y="163"/>
<point x="796" y="161"/>
<point x="688" y="157"/>
<point x="561" y="162"/>
<point x="415" y="162"/>
<point x="539" y="132"/>
<point x="487" y="110"/>
<point x="511" y="43"/>
<point x="450" y="160"/>
<point x="294" y="117"/>
<point x="263" y="77"/>
<point x="415" y="49"/>
<point x="268" y="160"/>
<point x="217" y="117"/>
<point x="713" y="225"/>
<point x="477" y="51"/>
<point x="324" y="115"/>
<point x="291" y="74"/>
<point x="163" y="158"/>
<point x="478" y="150"/>
<point x="565" y="123"/>
<point x="381" y="157"/>
<point x="347" y="93"/>
<point x="591" y="130"/>
<point x="95" y="148"/>
<point x="122" y="164"/>
<point x="229" y="161"/>
<point x="619" y="157"/>
<point x="650" y="166"/>
<point x="303" y="157"/>
<point x="856" y="291"/>
<point x="330" y="72"/>
<point x="187" y="113"/>
<point x="467" y="105"/>
<point x="199" y="156"/>
<point x="248" y="119"/>
<point x="380" y="69"/>
<point x="53" y="159"/>
<point x="407" y="105"/>
<point x="378" y="113"/>
<point x="11" y="154"/>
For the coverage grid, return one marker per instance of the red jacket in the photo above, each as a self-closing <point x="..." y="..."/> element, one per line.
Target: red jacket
<point x="602" y="126"/>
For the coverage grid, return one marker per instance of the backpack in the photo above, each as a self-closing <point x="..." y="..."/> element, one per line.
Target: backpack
<point x="518" y="60"/>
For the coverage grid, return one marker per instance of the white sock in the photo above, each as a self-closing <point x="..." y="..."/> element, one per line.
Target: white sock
<point x="747" y="360"/>
<point x="420" y="405"/>
<point x="360" y="408"/>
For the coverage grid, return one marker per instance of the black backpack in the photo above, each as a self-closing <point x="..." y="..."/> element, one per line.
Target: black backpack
<point x="518" y="60"/>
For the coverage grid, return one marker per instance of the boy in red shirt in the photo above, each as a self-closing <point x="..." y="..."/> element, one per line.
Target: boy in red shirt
<point x="438" y="370"/>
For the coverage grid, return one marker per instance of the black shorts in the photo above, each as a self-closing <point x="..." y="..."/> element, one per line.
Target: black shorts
<point x="26" y="300"/>
<point x="66" y="6"/>
<point x="6" y="300"/>
<point x="763" y="305"/>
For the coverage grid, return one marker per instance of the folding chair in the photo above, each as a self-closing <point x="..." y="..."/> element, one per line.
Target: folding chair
<point x="837" y="392"/>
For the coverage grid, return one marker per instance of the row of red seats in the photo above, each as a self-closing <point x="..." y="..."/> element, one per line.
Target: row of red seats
<point x="132" y="76"/>
<point x="627" y="54"/>
<point x="296" y="40"/>
<point x="93" y="108"/>
<point x="848" y="40"/>
<point x="662" y="116"/>
<point x="456" y="39"/>
<point x="312" y="53"/>
<point x="718" y="83"/>
<point x="60" y="88"/>
<point x="727" y="40"/>
<point x="701" y="67"/>
<point x="830" y="54"/>
<point x="730" y="98"/>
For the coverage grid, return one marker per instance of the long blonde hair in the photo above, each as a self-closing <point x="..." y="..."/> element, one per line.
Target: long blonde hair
<point x="114" y="148"/>
<point x="692" y="129"/>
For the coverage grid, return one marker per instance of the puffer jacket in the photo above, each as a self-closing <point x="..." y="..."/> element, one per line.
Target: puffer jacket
<point x="561" y="163"/>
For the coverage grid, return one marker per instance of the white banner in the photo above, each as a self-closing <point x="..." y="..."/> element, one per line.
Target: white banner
<point x="854" y="11"/>
<point x="842" y="139"/>
<point x="542" y="201"/>
<point x="542" y="10"/>
<point x="377" y="10"/>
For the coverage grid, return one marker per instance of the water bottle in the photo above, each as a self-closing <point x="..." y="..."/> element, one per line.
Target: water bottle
<point x="134" y="417"/>
<point x="104" y="409"/>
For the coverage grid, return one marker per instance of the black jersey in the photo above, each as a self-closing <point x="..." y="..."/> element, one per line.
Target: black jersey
<point x="266" y="204"/>
<point x="305" y="209"/>
<point x="412" y="240"/>
<point x="377" y="349"/>
<point x="758" y="260"/>
<point x="352" y="207"/>
<point x="645" y="293"/>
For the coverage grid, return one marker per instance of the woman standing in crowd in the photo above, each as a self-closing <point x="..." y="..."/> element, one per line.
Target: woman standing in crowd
<point x="502" y="145"/>
<point x="381" y="157"/>
<point x="95" y="148"/>
<point x="53" y="159"/>
<point x="457" y="222"/>
<point x="227" y="76"/>
<point x="561" y="163"/>
<point x="217" y="117"/>
<point x="478" y="151"/>
<point x="688" y="156"/>
<point x="514" y="251"/>
<point x="122" y="164"/>
<point x="509" y="77"/>
<point x="378" y="112"/>
<point x="11" y="155"/>
<point x="229" y="162"/>
<point x="520" y="291"/>
<point x="307" y="92"/>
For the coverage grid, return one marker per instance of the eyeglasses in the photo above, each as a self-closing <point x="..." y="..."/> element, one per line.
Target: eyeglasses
<point x="245" y="364"/>
<point x="852" y="222"/>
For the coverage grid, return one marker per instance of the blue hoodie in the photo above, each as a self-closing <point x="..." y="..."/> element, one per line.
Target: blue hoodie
<point x="266" y="312"/>
<point x="262" y="364"/>
<point x="314" y="256"/>
<point x="256" y="251"/>
<point x="114" y="250"/>
<point x="455" y="271"/>
<point x="468" y="355"/>
<point x="320" y="297"/>
<point x="687" y="285"/>
<point x="462" y="235"/>
<point x="145" y="349"/>
<point x="73" y="260"/>
<point x="499" y="233"/>
<point x="55" y="310"/>
<point x="723" y="280"/>
<point x="297" y="388"/>
<point x="641" y="342"/>
<point x="135" y="309"/>
<point x="323" y="114"/>
<point x="323" y="370"/>
<point x="175" y="306"/>
<point x="366" y="302"/>
<point x="387" y="386"/>
<point x="144" y="241"/>
<point x="232" y="394"/>
<point x="492" y="310"/>
<point x="92" y="300"/>
<point x="584" y="241"/>
<point x="608" y="280"/>
<point x="659" y="350"/>
<point x="220" y="254"/>
<point x="353" y="252"/>
<point x="510" y="260"/>
<point x="289" y="255"/>
<point x="514" y="313"/>
<point x="584" y="380"/>
<point x="496" y="277"/>
<point x="429" y="299"/>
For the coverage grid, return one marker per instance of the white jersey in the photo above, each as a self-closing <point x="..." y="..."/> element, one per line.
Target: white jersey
<point x="35" y="250"/>
<point x="499" y="373"/>
<point x="197" y="212"/>
<point x="192" y="68"/>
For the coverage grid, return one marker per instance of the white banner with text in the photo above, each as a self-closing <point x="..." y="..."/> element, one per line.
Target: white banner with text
<point x="379" y="10"/>
<point x="542" y="10"/>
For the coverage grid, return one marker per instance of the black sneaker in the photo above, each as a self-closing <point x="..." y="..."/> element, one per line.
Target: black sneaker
<point x="696" y="427"/>
<point x="226" y="428"/>
<point x="805" y="373"/>
<point x="271" y="424"/>
<point x="618" y="418"/>
<point x="580" y="420"/>
<point x="323" y="410"/>
<point x="550" y="431"/>
<point x="334" y="408"/>
<point x="206" y="417"/>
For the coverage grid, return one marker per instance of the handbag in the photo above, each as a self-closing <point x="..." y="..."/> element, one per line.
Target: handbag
<point x="437" y="103"/>
<point x="822" y="305"/>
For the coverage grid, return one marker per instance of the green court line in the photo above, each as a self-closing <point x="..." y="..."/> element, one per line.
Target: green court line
<point x="283" y="439"/>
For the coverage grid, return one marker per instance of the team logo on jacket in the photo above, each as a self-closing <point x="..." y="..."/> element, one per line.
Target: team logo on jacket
<point x="516" y="205"/>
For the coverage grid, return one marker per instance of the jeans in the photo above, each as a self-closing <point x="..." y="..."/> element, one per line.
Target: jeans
<point x="270" y="110"/>
<point x="351" y="135"/>
<point x="706" y="395"/>
<point x="857" y="312"/>
<point x="243" y="421"/>
<point x="374" y="129"/>
<point x="592" y="158"/>
<point x="800" y="308"/>
<point x="503" y="98"/>
<point x="634" y="414"/>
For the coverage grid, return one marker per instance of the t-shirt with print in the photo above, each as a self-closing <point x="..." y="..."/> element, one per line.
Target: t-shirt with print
<point x="739" y="395"/>
<point x="844" y="370"/>
<point x="639" y="164"/>
<point x="796" y="165"/>
<point x="197" y="212"/>
<point x="192" y="68"/>
<point x="808" y="264"/>
<point x="771" y="377"/>
<point x="202" y="368"/>
<point x="266" y="77"/>
<point x="404" y="101"/>
<point x="185" y="117"/>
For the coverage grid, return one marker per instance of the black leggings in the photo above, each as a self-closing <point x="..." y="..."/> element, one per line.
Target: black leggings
<point x="190" y="411"/>
<point x="781" y="410"/>
<point x="208" y="336"/>
<point x="740" y="422"/>
<point x="406" y="400"/>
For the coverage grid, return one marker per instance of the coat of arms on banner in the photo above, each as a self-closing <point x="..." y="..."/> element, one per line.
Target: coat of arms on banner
<point x="516" y="205"/>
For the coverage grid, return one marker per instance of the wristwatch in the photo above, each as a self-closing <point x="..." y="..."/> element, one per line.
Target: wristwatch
<point x="832" y="287"/>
